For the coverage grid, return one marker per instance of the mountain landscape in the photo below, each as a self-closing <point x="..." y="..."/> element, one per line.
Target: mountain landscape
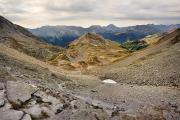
<point x="95" y="73"/>
<point x="63" y="35"/>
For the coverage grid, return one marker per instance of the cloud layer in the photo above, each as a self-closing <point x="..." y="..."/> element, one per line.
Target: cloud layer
<point x="33" y="13"/>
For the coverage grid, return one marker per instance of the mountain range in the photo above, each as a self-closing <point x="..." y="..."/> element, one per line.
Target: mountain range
<point x="63" y="35"/>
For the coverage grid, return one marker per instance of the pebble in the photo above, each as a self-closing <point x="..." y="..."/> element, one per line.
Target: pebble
<point x="26" y="117"/>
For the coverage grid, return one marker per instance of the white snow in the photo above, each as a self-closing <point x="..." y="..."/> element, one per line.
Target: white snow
<point x="109" y="81"/>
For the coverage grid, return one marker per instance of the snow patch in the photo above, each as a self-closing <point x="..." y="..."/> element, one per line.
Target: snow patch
<point x="109" y="81"/>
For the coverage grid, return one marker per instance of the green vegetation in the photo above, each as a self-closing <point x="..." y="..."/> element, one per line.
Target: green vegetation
<point x="132" y="46"/>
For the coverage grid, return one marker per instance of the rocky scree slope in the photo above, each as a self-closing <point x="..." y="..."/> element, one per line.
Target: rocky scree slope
<point x="158" y="64"/>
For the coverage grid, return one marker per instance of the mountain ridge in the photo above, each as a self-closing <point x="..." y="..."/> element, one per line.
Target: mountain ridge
<point x="63" y="35"/>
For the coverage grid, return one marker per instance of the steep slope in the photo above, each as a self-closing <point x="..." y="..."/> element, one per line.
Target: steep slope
<point x="89" y="50"/>
<point x="158" y="64"/>
<point x="19" y="38"/>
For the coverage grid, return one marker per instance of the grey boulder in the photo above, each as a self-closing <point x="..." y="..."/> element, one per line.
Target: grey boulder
<point x="10" y="115"/>
<point x="19" y="92"/>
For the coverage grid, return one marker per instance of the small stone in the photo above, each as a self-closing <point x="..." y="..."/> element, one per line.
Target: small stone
<point x="2" y="101"/>
<point x="58" y="111"/>
<point x="65" y="105"/>
<point x="95" y="104"/>
<point x="27" y="117"/>
<point x="73" y="104"/>
<point x="131" y="86"/>
<point x="93" y="90"/>
<point x="1" y="86"/>
<point x="48" y="91"/>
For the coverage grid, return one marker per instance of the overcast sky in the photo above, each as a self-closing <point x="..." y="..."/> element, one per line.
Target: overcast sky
<point x="35" y="13"/>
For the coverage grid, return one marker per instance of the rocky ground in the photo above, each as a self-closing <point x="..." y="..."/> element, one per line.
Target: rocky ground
<point x="29" y="91"/>
<point x="25" y="101"/>
<point x="22" y="101"/>
<point x="135" y="102"/>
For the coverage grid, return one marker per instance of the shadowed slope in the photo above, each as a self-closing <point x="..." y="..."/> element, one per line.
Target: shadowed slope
<point x="19" y="38"/>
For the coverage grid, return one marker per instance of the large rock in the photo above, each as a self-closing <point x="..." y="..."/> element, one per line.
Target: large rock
<point x="45" y="97"/>
<point x="11" y="115"/>
<point x="54" y="103"/>
<point x="19" y="92"/>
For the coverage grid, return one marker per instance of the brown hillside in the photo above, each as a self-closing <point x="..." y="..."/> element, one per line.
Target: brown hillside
<point x="90" y="50"/>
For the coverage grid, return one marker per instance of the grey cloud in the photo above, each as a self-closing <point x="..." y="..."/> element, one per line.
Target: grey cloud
<point x="73" y="7"/>
<point x="136" y="17"/>
<point x="78" y="8"/>
<point x="12" y="7"/>
<point x="55" y="11"/>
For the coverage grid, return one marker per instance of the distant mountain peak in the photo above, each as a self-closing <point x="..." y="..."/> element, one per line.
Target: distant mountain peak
<point x="89" y="38"/>
<point x="111" y="25"/>
<point x="95" y="27"/>
<point x="93" y="36"/>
